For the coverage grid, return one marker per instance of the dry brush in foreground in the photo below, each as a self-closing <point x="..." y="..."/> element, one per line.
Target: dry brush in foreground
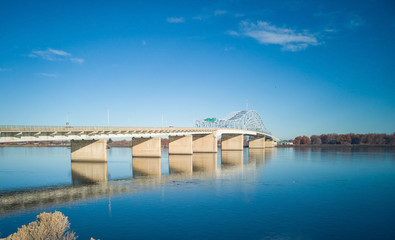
<point x="48" y="226"/>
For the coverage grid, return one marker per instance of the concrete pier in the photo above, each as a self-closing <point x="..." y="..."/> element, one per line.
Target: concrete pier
<point x="146" y="166"/>
<point x="180" y="145"/>
<point x="180" y="164"/>
<point x="257" y="142"/>
<point x="269" y="143"/>
<point x="89" y="150"/>
<point x="146" y="147"/>
<point x="204" y="143"/>
<point x="232" y="141"/>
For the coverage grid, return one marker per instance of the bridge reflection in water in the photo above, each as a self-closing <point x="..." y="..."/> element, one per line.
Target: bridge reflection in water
<point x="88" y="172"/>
<point x="181" y="164"/>
<point x="231" y="158"/>
<point x="205" y="163"/>
<point x="90" y="179"/>
<point x="257" y="156"/>
<point x="146" y="166"/>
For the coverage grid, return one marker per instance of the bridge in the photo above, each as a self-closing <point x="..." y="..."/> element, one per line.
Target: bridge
<point x="90" y="144"/>
<point x="249" y="120"/>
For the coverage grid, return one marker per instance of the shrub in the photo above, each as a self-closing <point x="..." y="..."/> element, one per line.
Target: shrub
<point x="48" y="226"/>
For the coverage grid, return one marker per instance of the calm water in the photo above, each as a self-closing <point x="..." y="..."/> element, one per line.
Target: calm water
<point x="281" y="193"/>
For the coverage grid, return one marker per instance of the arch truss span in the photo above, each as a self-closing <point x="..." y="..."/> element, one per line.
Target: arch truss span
<point x="248" y="120"/>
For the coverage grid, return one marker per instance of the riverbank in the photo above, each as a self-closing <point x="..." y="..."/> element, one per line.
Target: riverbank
<point x="334" y="145"/>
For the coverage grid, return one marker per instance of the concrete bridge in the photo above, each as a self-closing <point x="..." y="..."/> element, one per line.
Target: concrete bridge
<point x="89" y="143"/>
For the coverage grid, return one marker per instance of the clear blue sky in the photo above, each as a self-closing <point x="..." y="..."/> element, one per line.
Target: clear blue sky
<point x="307" y="67"/>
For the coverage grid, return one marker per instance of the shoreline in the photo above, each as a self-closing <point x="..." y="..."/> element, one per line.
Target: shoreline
<point x="335" y="145"/>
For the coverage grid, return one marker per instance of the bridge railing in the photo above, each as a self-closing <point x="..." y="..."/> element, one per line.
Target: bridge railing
<point x="54" y="128"/>
<point x="27" y="128"/>
<point x="131" y="130"/>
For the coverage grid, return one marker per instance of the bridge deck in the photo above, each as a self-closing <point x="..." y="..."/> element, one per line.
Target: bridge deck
<point x="56" y="133"/>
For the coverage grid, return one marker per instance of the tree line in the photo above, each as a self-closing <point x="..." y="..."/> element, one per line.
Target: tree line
<point x="350" y="138"/>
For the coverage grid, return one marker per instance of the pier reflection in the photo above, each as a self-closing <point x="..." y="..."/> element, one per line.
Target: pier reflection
<point x="270" y="153"/>
<point x="256" y="156"/>
<point x="146" y="166"/>
<point x="181" y="167"/>
<point x="205" y="163"/>
<point x="180" y="164"/>
<point x="88" y="172"/>
<point x="231" y="158"/>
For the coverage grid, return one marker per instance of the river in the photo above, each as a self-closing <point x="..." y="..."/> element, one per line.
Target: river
<point x="280" y="193"/>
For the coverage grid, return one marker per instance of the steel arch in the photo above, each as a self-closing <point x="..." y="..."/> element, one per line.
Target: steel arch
<point x="249" y="120"/>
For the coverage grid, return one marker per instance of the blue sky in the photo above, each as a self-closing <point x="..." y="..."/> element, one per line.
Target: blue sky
<point x="307" y="67"/>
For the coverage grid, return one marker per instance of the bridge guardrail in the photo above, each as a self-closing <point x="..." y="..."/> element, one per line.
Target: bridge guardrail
<point x="131" y="130"/>
<point x="22" y="128"/>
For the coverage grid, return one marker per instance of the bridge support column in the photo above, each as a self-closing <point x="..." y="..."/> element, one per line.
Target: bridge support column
<point x="256" y="142"/>
<point x="89" y="150"/>
<point x="232" y="141"/>
<point x="180" y="145"/>
<point x="269" y="143"/>
<point x="146" y="147"/>
<point x="204" y="143"/>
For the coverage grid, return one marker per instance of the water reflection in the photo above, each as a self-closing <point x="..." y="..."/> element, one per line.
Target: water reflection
<point x="231" y="158"/>
<point x="270" y="153"/>
<point x="256" y="156"/>
<point x="90" y="179"/>
<point x="345" y="148"/>
<point x="180" y="164"/>
<point x="88" y="172"/>
<point x="249" y="200"/>
<point x="37" y="198"/>
<point x="205" y="163"/>
<point x="146" y="166"/>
